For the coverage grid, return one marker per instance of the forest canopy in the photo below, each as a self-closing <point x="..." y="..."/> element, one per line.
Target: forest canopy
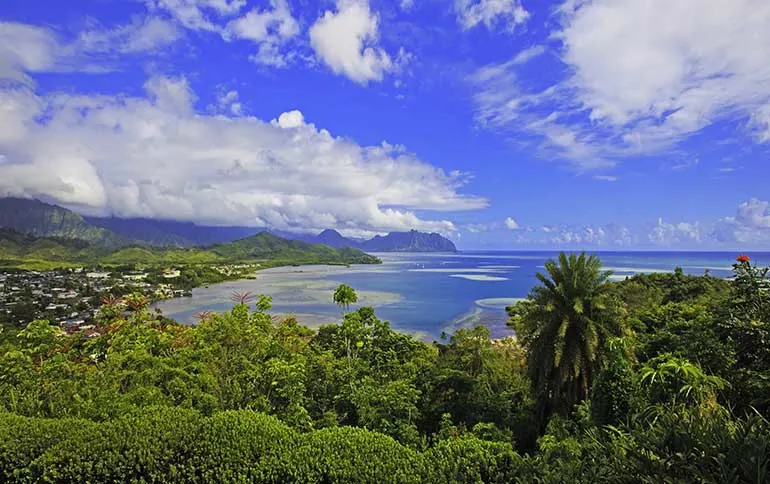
<point x="658" y="378"/>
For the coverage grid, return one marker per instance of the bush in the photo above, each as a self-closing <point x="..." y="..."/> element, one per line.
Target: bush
<point x="243" y="446"/>
<point x="151" y="447"/>
<point x="351" y="455"/>
<point x="23" y="440"/>
<point x="470" y="460"/>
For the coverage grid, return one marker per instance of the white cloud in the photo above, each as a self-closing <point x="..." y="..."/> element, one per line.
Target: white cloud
<point x="406" y="5"/>
<point x="199" y="14"/>
<point x="155" y="156"/>
<point x="511" y="223"/>
<point x="636" y="60"/>
<point x="28" y="49"/>
<point x="509" y="13"/>
<point x="610" y="235"/>
<point x="607" y="178"/>
<point x="527" y="55"/>
<point x="754" y="213"/>
<point x="145" y="35"/>
<point x="260" y="25"/>
<point x="346" y="41"/>
<point x="760" y="121"/>
<point x="750" y="225"/>
<point x="228" y="102"/>
<point x="476" y="228"/>
<point x="639" y="80"/>
<point x="676" y="234"/>
<point x="290" y="119"/>
<point x="503" y="105"/>
<point x="269" y="29"/>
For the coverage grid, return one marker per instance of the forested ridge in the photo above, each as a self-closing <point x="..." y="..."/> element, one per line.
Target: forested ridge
<point x="658" y="378"/>
<point x="23" y="251"/>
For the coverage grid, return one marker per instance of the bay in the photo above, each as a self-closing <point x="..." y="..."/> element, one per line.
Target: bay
<point x="428" y="294"/>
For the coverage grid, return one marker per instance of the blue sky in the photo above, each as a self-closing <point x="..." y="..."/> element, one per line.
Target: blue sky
<point x="499" y="123"/>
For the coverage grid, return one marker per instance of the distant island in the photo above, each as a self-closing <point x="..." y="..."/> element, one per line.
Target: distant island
<point x="41" y="219"/>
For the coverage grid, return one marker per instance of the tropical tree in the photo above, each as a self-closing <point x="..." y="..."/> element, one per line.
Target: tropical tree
<point x="563" y="326"/>
<point x="344" y="296"/>
<point x="242" y="297"/>
<point x="136" y="302"/>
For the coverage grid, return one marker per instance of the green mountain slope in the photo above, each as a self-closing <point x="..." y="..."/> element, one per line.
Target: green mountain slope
<point x="268" y="246"/>
<point x="41" y="219"/>
<point x="24" y="251"/>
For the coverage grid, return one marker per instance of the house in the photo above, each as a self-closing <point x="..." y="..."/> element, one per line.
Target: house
<point x="135" y="277"/>
<point x="71" y="325"/>
<point x="97" y="275"/>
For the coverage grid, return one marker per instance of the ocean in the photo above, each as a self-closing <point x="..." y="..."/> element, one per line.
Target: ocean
<point x="429" y="294"/>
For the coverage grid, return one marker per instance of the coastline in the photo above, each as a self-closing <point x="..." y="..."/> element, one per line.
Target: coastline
<point x="297" y="291"/>
<point x="305" y="293"/>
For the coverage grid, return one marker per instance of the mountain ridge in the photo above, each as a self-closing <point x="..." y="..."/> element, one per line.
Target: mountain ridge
<point x="411" y="241"/>
<point x="41" y="219"/>
<point x="18" y="250"/>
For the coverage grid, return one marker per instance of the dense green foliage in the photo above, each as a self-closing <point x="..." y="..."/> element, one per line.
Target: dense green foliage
<point x="268" y="246"/>
<point x="671" y="385"/>
<point x="344" y="296"/>
<point x="28" y="252"/>
<point x="563" y="327"/>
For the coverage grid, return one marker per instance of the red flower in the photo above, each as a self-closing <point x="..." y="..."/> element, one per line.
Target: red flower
<point x="743" y="258"/>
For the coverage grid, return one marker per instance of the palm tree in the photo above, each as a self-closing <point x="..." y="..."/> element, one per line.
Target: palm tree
<point x="563" y="325"/>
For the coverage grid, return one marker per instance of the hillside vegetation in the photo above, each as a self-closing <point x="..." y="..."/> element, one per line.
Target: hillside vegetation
<point x="659" y="378"/>
<point x="28" y="252"/>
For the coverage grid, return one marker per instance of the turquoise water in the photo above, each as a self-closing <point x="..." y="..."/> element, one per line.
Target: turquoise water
<point x="427" y="294"/>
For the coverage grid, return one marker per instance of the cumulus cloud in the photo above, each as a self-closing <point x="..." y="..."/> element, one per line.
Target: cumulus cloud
<point x="511" y="223"/>
<point x="270" y="29"/>
<point x="676" y="234"/>
<point x="346" y="41"/>
<point x="610" y="235"/>
<point x="228" y="102"/>
<point x="749" y="228"/>
<point x="639" y="79"/>
<point x="508" y="13"/>
<point x="155" y="156"/>
<point x="750" y="225"/>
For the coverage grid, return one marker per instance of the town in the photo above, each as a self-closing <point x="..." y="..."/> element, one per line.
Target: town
<point x="70" y="298"/>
